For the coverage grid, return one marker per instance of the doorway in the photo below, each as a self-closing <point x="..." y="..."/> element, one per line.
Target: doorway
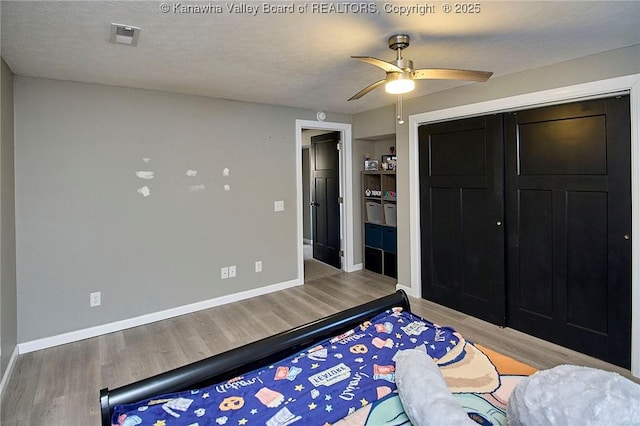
<point x="325" y="199"/>
<point x="321" y="210"/>
<point x="308" y="267"/>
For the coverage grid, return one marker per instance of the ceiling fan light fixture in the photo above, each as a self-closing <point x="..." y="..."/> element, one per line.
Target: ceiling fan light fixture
<point x="401" y="74"/>
<point x="399" y="83"/>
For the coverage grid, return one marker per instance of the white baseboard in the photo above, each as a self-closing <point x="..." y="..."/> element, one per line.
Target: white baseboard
<point x="99" y="330"/>
<point x="307" y="241"/>
<point x="356" y="267"/>
<point x="410" y="291"/>
<point x="7" y="373"/>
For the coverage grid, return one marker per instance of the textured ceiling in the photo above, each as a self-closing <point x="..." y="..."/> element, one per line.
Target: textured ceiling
<point x="299" y="59"/>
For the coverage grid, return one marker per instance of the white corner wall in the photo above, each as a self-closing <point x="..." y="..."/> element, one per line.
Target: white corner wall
<point x="8" y="301"/>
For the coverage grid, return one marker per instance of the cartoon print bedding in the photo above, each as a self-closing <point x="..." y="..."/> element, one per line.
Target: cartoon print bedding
<point x="346" y="380"/>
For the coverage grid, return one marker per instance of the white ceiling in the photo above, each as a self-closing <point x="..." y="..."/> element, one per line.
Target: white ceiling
<point x="299" y="59"/>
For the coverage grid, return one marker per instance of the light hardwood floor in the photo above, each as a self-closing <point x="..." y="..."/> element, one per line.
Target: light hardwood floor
<point x="60" y="385"/>
<point x="314" y="269"/>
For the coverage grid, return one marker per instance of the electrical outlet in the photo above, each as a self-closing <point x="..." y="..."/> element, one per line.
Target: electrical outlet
<point x="259" y="266"/>
<point x="232" y="271"/>
<point x="278" y="206"/>
<point x="224" y="273"/>
<point x="94" y="299"/>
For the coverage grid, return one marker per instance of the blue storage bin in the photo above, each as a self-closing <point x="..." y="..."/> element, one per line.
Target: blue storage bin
<point x="389" y="239"/>
<point x="373" y="235"/>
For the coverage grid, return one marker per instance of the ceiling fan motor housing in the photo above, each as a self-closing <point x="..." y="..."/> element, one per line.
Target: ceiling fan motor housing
<point x="399" y="41"/>
<point x="405" y="64"/>
<point x="393" y="76"/>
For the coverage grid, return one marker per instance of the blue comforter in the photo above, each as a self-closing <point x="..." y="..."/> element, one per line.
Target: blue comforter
<point x="317" y="386"/>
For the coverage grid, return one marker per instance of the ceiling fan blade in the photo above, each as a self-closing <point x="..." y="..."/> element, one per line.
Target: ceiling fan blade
<point x="366" y="90"/>
<point x="450" y="74"/>
<point x="387" y="66"/>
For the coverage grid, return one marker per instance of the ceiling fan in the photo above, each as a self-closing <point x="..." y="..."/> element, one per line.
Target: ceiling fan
<point x="401" y="74"/>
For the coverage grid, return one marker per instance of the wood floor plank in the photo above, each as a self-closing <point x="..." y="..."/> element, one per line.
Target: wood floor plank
<point x="314" y="269"/>
<point x="57" y="410"/>
<point x="60" y="385"/>
<point x="20" y="393"/>
<point x="52" y="377"/>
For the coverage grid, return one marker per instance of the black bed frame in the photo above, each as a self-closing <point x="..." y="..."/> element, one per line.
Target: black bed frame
<point x="235" y="362"/>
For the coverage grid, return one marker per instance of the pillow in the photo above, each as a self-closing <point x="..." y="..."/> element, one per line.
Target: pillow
<point x="572" y="395"/>
<point x="424" y="393"/>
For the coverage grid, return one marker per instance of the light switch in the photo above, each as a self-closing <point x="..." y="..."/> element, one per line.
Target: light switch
<point x="278" y="206"/>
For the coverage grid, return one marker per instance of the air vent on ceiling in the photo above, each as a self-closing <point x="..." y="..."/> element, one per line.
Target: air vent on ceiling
<point x="124" y="34"/>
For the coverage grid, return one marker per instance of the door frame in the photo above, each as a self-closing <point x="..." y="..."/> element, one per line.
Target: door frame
<point x="592" y="90"/>
<point x="345" y="171"/>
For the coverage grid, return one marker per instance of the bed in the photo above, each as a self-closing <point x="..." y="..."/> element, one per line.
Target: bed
<point x="336" y="370"/>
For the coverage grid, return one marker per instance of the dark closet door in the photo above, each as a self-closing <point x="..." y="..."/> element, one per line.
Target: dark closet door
<point x="462" y="208"/>
<point x="325" y="190"/>
<point x="569" y="222"/>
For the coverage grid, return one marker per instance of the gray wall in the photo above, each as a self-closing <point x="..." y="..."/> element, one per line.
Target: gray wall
<point x="83" y="227"/>
<point x="375" y="124"/>
<point x="8" y="301"/>
<point x="605" y="65"/>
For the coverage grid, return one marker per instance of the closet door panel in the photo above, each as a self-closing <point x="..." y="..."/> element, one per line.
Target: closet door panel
<point x="587" y="263"/>
<point x="458" y="154"/>
<point x="475" y="238"/>
<point x="535" y="255"/>
<point x="462" y="213"/>
<point x="445" y="258"/>
<point x="571" y="146"/>
<point x="568" y="211"/>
